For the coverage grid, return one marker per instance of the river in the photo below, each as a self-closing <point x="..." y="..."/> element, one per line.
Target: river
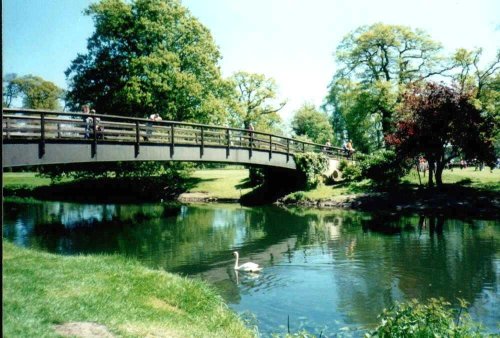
<point x="326" y="271"/>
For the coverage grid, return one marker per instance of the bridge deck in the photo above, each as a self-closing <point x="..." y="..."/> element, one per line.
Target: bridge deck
<point x="33" y="137"/>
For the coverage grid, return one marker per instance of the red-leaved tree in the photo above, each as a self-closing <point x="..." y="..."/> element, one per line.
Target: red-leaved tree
<point x="440" y="123"/>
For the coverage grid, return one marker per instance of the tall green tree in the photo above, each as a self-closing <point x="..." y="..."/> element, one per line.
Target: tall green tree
<point x="310" y="122"/>
<point x="10" y="89"/>
<point x="378" y="61"/>
<point x="255" y="102"/>
<point x="36" y="93"/>
<point x="470" y="77"/>
<point x="480" y="82"/>
<point x="442" y="123"/>
<point x="149" y="56"/>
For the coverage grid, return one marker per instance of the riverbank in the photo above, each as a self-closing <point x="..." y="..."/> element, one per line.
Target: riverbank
<point x="106" y="296"/>
<point x="210" y="185"/>
<point x="456" y="201"/>
<point x="466" y="192"/>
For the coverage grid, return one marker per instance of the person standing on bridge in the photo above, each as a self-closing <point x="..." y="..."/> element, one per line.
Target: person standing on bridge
<point x="86" y="111"/>
<point x="251" y="134"/>
<point x="350" y="149"/>
<point x="89" y="123"/>
<point x="152" y="117"/>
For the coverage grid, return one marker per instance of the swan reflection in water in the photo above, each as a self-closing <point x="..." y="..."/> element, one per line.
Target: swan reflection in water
<point x="248" y="278"/>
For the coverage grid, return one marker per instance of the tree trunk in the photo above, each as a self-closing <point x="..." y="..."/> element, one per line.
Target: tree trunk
<point x="439" y="174"/>
<point x="431" y="173"/>
<point x="386" y="121"/>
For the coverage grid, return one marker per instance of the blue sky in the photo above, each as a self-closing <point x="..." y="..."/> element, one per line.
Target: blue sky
<point x="292" y="41"/>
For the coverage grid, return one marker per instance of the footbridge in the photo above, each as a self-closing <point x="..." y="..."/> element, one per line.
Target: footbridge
<point x="39" y="137"/>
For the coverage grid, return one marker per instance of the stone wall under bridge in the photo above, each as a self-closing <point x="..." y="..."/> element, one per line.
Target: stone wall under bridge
<point x="333" y="173"/>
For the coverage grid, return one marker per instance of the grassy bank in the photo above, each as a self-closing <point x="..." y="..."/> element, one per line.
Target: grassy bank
<point x="220" y="183"/>
<point x="43" y="293"/>
<point x="228" y="184"/>
<point x="486" y="181"/>
<point x="232" y="183"/>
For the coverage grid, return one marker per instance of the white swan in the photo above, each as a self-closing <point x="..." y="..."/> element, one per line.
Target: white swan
<point x="250" y="267"/>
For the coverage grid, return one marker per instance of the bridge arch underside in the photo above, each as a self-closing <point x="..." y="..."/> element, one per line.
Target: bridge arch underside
<point x="33" y="154"/>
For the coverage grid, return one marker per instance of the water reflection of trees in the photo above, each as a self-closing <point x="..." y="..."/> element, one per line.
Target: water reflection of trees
<point x="446" y="258"/>
<point x="374" y="259"/>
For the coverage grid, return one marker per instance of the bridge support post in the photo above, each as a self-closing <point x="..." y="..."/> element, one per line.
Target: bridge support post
<point x="202" y="141"/>
<point x="137" y="139"/>
<point x="94" y="141"/>
<point x="172" y="138"/>
<point x="228" y="139"/>
<point x="287" y="149"/>
<point x="270" y="146"/>
<point x="41" y="147"/>
<point x="250" y="145"/>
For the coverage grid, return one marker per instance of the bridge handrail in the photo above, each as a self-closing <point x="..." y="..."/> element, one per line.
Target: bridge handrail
<point x="292" y="145"/>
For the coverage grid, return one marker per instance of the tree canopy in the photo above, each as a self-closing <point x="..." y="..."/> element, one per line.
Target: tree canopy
<point x="255" y="101"/>
<point x="312" y="123"/>
<point x="375" y="63"/>
<point x="36" y="92"/>
<point x="441" y="123"/>
<point x="148" y="56"/>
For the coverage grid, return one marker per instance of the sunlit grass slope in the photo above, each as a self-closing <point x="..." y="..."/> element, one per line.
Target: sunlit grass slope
<point x="482" y="179"/>
<point x="41" y="290"/>
<point x="24" y="179"/>
<point x="221" y="183"/>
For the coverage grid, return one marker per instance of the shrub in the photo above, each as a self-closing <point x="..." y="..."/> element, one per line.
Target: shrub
<point x="351" y="172"/>
<point x="311" y="166"/>
<point x="434" y="319"/>
<point x="382" y="167"/>
<point x="295" y="197"/>
<point x="342" y="165"/>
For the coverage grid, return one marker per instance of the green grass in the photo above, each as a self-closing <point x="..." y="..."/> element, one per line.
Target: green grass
<point x="221" y="183"/>
<point x="24" y="179"/>
<point x="228" y="183"/>
<point x="41" y="290"/>
<point x="485" y="179"/>
<point x="482" y="180"/>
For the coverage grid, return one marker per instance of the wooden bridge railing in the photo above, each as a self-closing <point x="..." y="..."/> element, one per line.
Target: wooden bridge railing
<point x="41" y="126"/>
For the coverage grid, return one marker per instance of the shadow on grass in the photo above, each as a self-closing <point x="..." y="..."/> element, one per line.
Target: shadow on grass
<point x="108" y="190"/>
<point x="244" y="184"/>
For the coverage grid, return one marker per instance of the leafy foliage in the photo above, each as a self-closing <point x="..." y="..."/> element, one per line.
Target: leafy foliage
<point x="351" y="172"/>
<point x="255" y="102"/>
<point x="375" y="63"/>
<point x="148" y="56"/>
<point x="481" y="83"/>
<point x="295" y="197"/>
<point x="442" y="124"/>
<point x="382" y="167"/>
<point x="311" y="166"/>
<point x="433" y="319"/>
<point x="36" y="92"/>
<point x="310" y="122"/>
<point x="113" y="169"/>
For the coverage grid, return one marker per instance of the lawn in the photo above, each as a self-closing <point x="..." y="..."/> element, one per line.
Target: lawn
<point x="232" y="182"/>
<point x="227" y="183"/>
<point x="24" y="179"/>
<point x="485" y="179"/>
<point x="43" y="293"/>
